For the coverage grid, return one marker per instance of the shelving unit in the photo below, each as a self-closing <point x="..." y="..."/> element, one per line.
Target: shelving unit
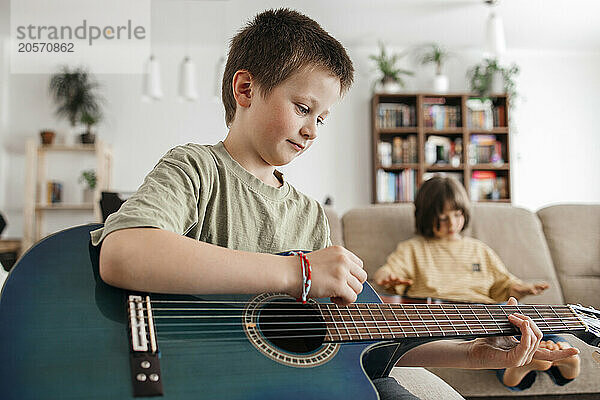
<point x="459" y="122"/>
<point x="36" y="206"/>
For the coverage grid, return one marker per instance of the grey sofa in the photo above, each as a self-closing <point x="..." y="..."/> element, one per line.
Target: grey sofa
<point x="559" y="244"/>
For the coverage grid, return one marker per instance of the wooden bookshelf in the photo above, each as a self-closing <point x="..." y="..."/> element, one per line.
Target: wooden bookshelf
<point x="483" y="134"/>
<point x="36" y="205"/>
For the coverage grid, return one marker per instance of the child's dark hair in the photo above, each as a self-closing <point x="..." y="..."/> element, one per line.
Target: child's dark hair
<point x="278" y="43"/>
<point x="431" y="198"/>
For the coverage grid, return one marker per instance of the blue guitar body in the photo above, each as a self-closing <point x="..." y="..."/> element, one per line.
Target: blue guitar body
<point x="64" y="335"/>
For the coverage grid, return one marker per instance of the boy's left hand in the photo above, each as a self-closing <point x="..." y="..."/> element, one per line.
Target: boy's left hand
<point x="521" y="290"/>
<point x="506" y="351"/>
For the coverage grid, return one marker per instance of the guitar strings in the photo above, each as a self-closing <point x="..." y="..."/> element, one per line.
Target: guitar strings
<point x="355" y="329"/>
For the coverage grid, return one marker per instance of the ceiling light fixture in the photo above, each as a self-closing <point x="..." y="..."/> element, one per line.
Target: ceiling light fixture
<point x="495" y="43"/>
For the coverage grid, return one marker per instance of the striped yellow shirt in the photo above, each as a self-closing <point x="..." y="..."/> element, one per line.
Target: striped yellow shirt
<point x="459" y="270"/>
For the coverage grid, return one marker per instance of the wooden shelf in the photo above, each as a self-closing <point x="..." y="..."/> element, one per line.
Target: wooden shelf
<point x="498" y="130"/>
<point x="35" y="208"/>
<point x="64" y="206"/>
<point x="446" y="131"/>
<point x="60" y="147"/>
<point x="491" y="167"/>
<point x="399" y="167"/>
<point x="442" y="167"/>
<point x="459" y="101"/>
<point x="405" y="130"/>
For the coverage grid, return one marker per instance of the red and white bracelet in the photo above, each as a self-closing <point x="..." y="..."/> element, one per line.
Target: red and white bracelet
<point x="306" y="274"/>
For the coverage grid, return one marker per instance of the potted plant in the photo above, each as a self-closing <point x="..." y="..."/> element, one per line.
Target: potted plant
<point x="75" y="93"/>
<point x="89" y="178"/>
<point x="89" y="120"/>
<point x="490" y="77"/>
<point x="391" y="76"/>
<point x="433" y="53"/>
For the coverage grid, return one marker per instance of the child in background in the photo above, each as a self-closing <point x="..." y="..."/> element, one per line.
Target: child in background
<point x="210" y="218"/>
<point x="441" y="263"/>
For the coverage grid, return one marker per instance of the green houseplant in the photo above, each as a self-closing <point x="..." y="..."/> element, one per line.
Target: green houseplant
<point x="89" y="120"/>
<point x="434" y="53"/>
<point x="89" y="178"/>
<point x="482" y="78"/>
<point x="75" y="92"/>
<point x="390" y="74"/>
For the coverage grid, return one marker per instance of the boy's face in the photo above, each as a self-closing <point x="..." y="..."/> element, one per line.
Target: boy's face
<point x="451" y="223"/>
<point x="284" y="124"/>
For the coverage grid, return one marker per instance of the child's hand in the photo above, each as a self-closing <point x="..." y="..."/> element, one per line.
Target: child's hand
<point x="388" y="279"/>
<point x="506" y="351"/>
<point x="336" y="273"/>
<point x="519" y="291"/>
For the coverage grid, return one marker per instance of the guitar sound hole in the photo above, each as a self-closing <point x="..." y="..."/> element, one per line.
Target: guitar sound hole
<point x="291" y="326"/>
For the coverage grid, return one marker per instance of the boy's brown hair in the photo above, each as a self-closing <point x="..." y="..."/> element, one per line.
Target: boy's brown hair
<point x="275" y="45"/>
<point x="431" y="198"/>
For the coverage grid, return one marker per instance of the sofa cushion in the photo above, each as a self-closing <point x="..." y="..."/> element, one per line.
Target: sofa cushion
<point x="372" y="233"/>
<point x="424" y="384"/>
<point x="573" y="236"/>
<point x="516" y="235"/>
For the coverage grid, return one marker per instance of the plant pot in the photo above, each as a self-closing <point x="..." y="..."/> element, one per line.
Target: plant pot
<point x="440" y="84"/>
<point x="88" y="195"/>
<point x="87" y="138"/>
<point x="497" y="86"/>
<point x="390" y="86"/>
<point x="47" y="137"/>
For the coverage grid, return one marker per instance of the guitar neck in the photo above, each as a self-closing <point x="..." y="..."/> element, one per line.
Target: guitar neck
<point x="365" y="322"/>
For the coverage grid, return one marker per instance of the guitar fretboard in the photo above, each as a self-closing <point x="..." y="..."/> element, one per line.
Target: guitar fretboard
<point x="364" y="322"/>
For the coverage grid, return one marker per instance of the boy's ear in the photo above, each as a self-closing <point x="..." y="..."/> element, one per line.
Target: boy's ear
<point x="243" y="88"/>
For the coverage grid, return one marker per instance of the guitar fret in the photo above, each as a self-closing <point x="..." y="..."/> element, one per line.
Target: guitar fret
<point x="423" y="321"/>
<point x="433" y="317"/>
<point x="354" y="322"/>
<point x="386" y="322"/>
<point x="541" y="320"/>
<point x="463" y="319"/>
<point x="375" y="322"/>
<point x="476" y="319"/>
<point x="449" y="320"/>
<point x="399" y="325"/>
<point x="493" y="319"/>
<point x="334" y="323"/>
<point x="344" y="322"/>
<point x="557" y="316"/>
<point x="364" y="322"/>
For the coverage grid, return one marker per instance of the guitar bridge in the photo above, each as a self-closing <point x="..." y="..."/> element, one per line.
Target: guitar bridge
<point x="144" y="355"/>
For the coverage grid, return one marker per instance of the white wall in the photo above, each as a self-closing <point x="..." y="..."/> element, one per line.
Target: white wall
<point x="558" y="119"/>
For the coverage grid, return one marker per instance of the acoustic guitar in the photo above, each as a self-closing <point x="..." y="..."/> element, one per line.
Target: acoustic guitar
<point x="65" y="334"/>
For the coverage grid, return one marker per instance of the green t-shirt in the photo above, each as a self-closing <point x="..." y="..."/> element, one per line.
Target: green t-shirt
<point x="201" y="192"/>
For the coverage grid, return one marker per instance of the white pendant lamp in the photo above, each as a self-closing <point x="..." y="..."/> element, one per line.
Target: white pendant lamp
<point x="187" y="80"/>
<point x="495" y="43"/>
<point x="152" y="84"/>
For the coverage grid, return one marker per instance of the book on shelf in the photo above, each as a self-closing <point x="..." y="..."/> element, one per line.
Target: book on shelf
<point x="401" y="150"/>
<point x="396" y="186"/>
<point x="483" y="114"/>
<point x="486" y="185"/>
<point x="485" y="149"/>
<point x="384" y="150"/>
<point x="441" y="116"/>
<point x="396" y="115"/>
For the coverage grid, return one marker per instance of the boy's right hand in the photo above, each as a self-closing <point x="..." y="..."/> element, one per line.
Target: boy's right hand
<point x="388" y="279"/>
<point x="336" y="273"/>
